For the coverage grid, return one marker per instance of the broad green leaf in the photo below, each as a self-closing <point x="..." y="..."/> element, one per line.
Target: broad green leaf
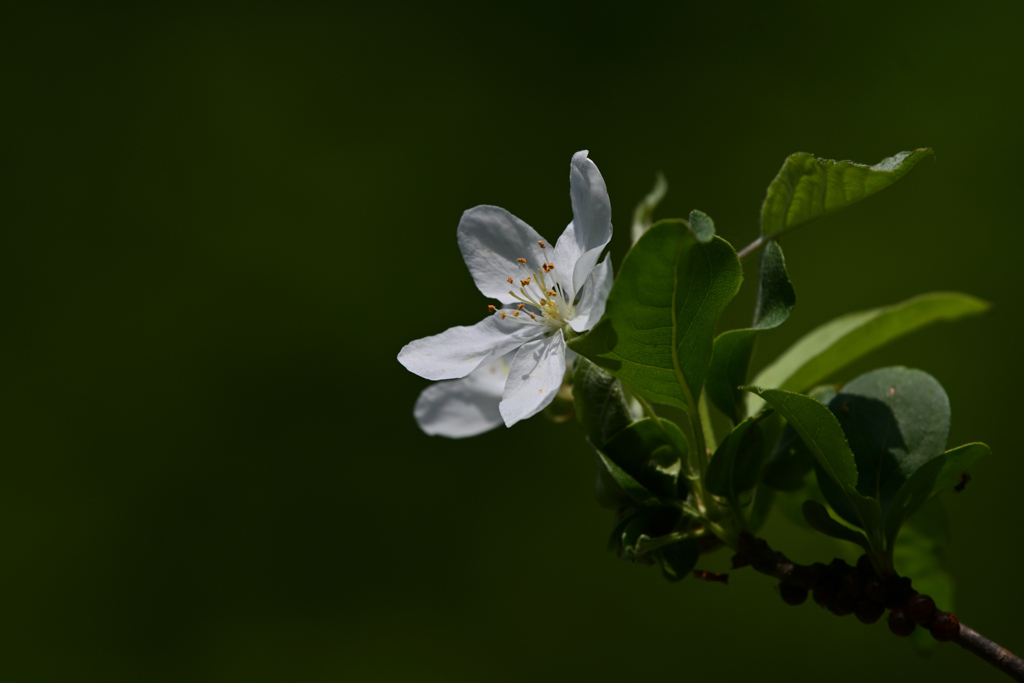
<point x="601" y="404"/>
<point x="651" y="456"/>
<point x="819" y="519"/>
<point x="679" y="559"/>
<point x="643" y="214"/>
<point x="658" y="329"/>
<point x="807" y="187"/>
<point x="787" y="468"/>
<point x="835" y="344"/>
<point x="702" y="227"/>
<point x="823" y="436"/>
<point x="730" y="362"/>
<point x="895" y="420"/>
<point x="643" y="530"/>
<point x="955" y="462"/>
<point x="764" y="502"/>
<point x="736" y="465"/>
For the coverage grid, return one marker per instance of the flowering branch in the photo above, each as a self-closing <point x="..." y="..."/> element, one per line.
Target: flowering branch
<point x="838" y="586"/>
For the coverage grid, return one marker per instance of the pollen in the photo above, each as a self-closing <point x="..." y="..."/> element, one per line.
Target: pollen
<point x="526" y="282"/>
<point x="520" y="307"/>
<point x="550" y="293"/>
<point x="541" y="244"/>
<point x="510" y="281"/>
<point x="491" y="309"/>
<point x="515" y="314"/>
<point x="503" y="315"/>
<point x="522" y="261"/>
<point x="532" y="316"/>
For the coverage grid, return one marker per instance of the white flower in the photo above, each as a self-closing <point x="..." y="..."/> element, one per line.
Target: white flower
<point x="509" y="262"/>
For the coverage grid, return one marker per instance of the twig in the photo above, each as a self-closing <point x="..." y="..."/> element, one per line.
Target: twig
<point x="750" y="248"/>
<point x="772" y="563"/>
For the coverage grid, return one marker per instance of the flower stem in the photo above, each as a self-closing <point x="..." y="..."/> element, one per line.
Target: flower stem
<point x="751" y="248"/>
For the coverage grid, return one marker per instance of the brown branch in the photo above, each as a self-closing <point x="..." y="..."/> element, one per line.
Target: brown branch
<point x="762" y="558"/>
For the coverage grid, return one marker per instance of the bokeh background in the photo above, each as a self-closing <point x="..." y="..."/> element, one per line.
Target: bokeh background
<point x="220" y="225"/>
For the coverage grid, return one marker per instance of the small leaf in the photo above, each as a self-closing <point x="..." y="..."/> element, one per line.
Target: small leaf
<point x="819" y="519"/>
<point x="631" y="487"/>
<point x="823" y="436"/>
<point x="730" y="362"/>
<point x="775" y="295"/>
<point x="736" y="465"/>
<point x="651" y="456"/>
<point x="702" y="227"/>
<point x="835" y="344"/>
<point x="956" y="462"/>
<point x="643" y="214"/>
<point x="807" y="187"/>
<point x="679" y="559"/>
<point x="911" y="496"/>
<point x="601" y="404"/>
<point x="658" y="329"/>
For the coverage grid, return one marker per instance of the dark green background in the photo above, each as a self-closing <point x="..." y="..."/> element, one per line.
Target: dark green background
<point x="220" y="225"/>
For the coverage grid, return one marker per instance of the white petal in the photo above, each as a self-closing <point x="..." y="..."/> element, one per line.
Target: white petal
<point x="591" y="227"/>
<point x="595" y="295"/>
<point x="458" y="408"/>
<point x="491" y="239"/>
<point x="458" y="351"/>
<point x="533" y="381"/>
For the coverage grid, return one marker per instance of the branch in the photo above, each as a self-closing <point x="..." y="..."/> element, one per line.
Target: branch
<point x="797" y="580"/>
<point x="750" y="248"/>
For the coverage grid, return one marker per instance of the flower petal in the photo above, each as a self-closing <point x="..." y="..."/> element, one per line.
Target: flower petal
<point x="533" y="381"/>
<point x="458" y="351"/>
<point x="581" y="244"/>
<point x="491" y="239"/>
<point x="458" y="408"/>
<point x="595" y="295"/>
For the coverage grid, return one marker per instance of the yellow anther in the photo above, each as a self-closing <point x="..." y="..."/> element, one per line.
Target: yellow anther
<point x="491" y="309"/>
<point x="510" y="281"/>
<point x="522" y="261"/>
<point x="520" y="307"/>
<point x="503" y="315"/>
<point x="526" y="282"/>
<point x="515" y="314"/>
<point x="532" y="316"/>
<point x="550" y="293"/>
<point x="541" y="244"/>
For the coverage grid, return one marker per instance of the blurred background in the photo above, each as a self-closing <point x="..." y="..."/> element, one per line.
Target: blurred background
<point x="221" y="224"/>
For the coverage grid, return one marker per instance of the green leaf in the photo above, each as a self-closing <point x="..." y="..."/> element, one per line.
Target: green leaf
<point x="835" y="344"/>
<point x="658" y="329"/>
<point x="911" y="496"/>
<point x="643" y="214"/>
<point x="787" y="468"/>
<point x="819" y="519"/>
<point x="896" y="420"/>
<point x="807" y="187"/>
<point x="955" y="462"/>
<point x="730" y="361"/>
<point x="679" y="559"/>
<point x="702" y="227"/>
<point x="611" y="479"/>
<point x="736" y="465"/>
<point x="823" y="436"/>
<point x="651" y="456"/>
<point x="775" y="295"/>
<point x="600" y="401"/>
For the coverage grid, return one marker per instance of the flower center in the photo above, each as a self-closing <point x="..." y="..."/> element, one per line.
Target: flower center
<point x="542" y="299"/>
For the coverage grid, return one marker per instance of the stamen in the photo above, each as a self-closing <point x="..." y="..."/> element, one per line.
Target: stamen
<point x="510" y="281"/>
<point x="515" y="314"/>
<point x="550" y="293"/>
<point x="526" y="282"/>
<point x="519" y="307"/>
<point x="541" y="243"/>
<point x="503" y="315"/>
<point x="491" y="309"/>
<point x="522" y="261"/>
